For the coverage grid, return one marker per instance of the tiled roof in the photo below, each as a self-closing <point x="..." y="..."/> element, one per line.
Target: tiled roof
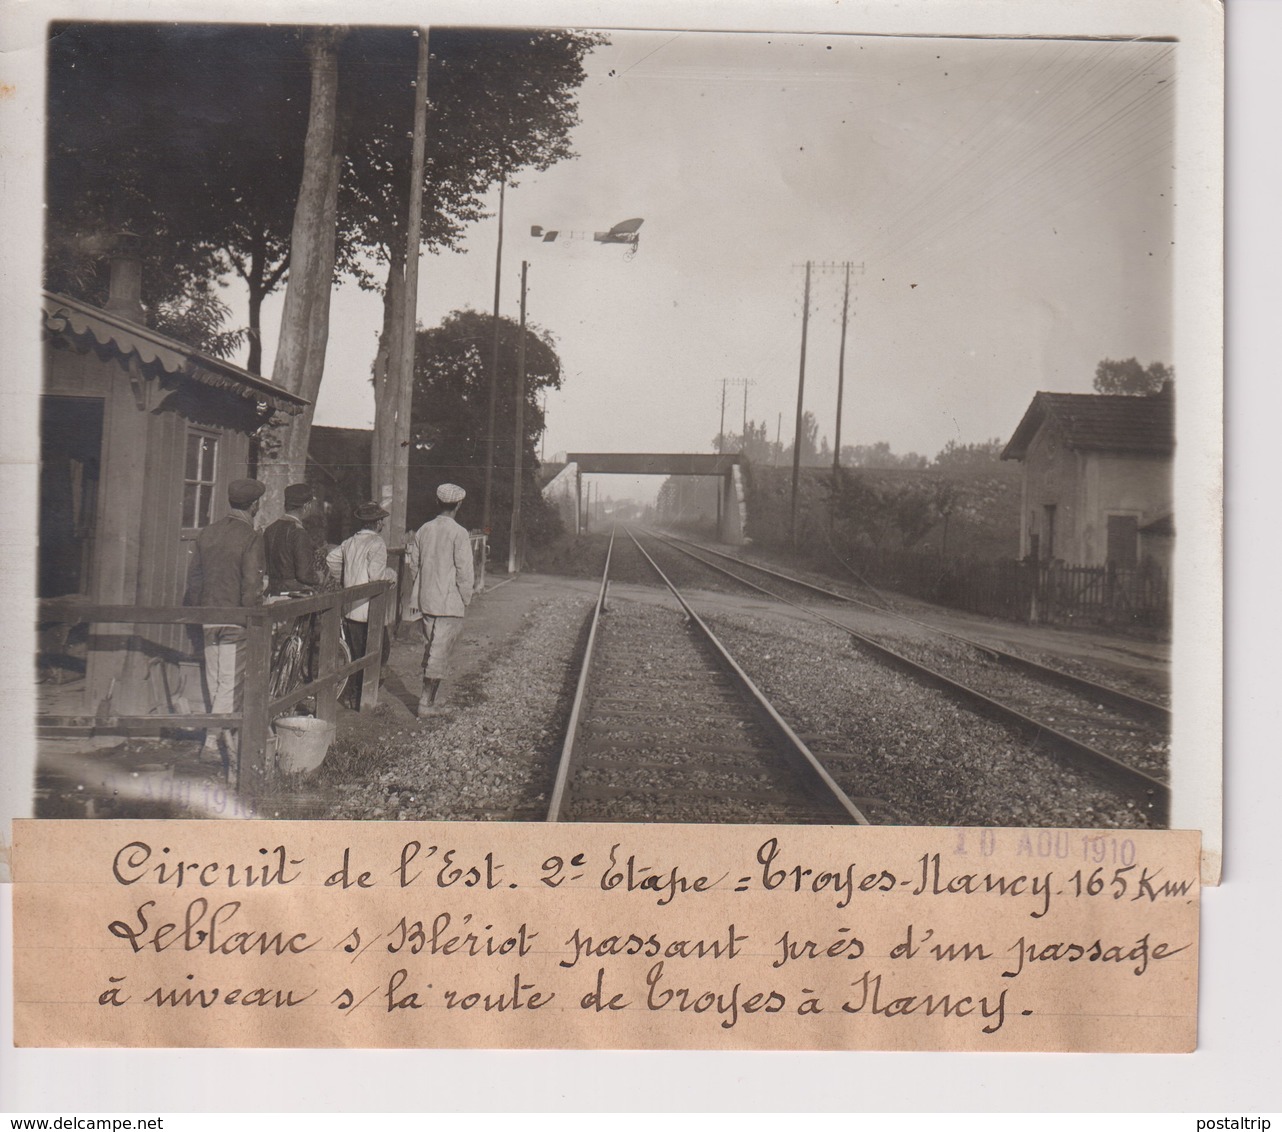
<point x="1100" y="422"/>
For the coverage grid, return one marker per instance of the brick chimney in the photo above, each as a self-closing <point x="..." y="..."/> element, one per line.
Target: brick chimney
<point x="125" y="289"/>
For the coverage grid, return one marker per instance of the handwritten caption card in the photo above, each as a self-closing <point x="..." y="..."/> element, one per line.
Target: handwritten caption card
<point x="309" y="934"/>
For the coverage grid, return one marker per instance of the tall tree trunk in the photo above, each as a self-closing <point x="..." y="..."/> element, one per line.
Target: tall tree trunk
<point x="257" y="268"/>
<point x="300" y="356"/>
<point x="386" y="366"/>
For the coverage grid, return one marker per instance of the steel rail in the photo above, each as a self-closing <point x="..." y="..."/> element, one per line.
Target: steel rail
<point x="812" y="770"/>
<point x="562" y="782"/>
<point x="1142" y="787"/>
<point x="1114" y="697"/>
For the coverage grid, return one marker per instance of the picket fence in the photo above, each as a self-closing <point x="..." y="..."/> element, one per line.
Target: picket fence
<point x="1047" y="593"/>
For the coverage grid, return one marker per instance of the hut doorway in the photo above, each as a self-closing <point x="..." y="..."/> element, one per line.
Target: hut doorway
<point x="70" y="470"/>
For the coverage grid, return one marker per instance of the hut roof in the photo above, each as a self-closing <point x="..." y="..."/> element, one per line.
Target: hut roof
<point x="1101" y="422"/>
<point x="86" y="328"/>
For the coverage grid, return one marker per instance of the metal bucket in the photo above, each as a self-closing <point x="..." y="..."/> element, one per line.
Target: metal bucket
<point x="302" y="742"/>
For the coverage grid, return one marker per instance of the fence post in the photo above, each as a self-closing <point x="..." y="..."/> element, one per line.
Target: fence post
<point x="1033" y="572"/>
<point x="330" y="629"/>
<point x="374" y="648"/>
<point x="251" y="750"/>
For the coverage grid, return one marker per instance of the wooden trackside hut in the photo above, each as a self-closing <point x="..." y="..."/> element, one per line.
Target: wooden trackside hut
<point x="140" y="436"/>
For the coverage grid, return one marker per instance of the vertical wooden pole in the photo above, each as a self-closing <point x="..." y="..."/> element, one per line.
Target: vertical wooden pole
<point x="518" y="452"/>
<point x="801" y="391"/>
<point x="327" y="697"/>
<point x="251" y="750"/>
<point x="721" y="447"/>
<point x="376" y="627"/>
<point x="494" y="369"/>
<point x="841" y="372"/>
<point x="409" y="328"/>
<point x="721" y="432"/>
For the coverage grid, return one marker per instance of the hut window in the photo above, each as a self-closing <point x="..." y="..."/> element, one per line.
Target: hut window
<point x="199" y="473"/>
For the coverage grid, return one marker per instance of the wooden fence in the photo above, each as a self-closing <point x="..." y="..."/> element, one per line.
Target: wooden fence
<point x="258" y="707"/>
<point x="1049" y="593"/>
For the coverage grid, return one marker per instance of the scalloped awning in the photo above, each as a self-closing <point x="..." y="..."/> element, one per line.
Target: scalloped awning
<point x="88" y="327"/>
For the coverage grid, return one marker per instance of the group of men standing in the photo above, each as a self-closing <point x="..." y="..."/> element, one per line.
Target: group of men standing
<point x="234" y="564"/>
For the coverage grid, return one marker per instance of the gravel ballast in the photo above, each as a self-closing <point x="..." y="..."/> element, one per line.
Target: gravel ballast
<point x="492" y="759"/>
<point x="882" y="735"/>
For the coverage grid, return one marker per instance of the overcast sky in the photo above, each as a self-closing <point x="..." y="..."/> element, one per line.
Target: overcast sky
<point x="1007" y="205"/>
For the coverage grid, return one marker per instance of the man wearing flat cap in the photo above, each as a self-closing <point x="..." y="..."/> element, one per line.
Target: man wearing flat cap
<point x="226" y="568"/>
<point x="440" y="558"/>
<point x="363" y="558"/>
<point x="288" y="547"/>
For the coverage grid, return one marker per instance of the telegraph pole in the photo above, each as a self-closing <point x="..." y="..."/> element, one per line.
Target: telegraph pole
<point x="494" y="367"/>
<point x="409" y="328"/>
<point x="513" y="558"/>
<point x="847" y="267"/>
<point x="721" y="447"/>
<point x="721" y="433"/>
<point x="841" y="374"/>
<point x="801" y="390"/>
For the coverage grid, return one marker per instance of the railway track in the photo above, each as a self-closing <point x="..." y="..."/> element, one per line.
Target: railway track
<point x="1063" y="714"/>
<point x="1135" y="706"/>
<point x="665" y="726"/>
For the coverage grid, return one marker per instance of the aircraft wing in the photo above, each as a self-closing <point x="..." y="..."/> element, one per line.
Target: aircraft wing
<point x="625" y="232"/>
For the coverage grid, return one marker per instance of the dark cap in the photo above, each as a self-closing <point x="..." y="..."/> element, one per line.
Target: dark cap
<point x="297" y="494"/>
<point x="369" y="512"/>
<point x="242" y="493"/>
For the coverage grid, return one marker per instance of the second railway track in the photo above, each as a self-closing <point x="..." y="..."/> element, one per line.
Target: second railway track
<point x="1062" y="714"/>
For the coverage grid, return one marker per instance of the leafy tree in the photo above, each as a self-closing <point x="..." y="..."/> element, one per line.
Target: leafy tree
<point x="919" y="505"/>
<point x="860" y="511"/>
<point x="956" y="456"/>
<point x="189" y="135"/>
<point x="192" y="136"/>
<point x="450" y="415"/>
<point x="813" y="453"/>
<point x="873" y="510"/>
<point x="753" y="445"/>
<point x="281" y="154"/>
<point x="1130" y="378"/>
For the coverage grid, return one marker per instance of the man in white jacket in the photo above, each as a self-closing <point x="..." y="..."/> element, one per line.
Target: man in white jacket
<point x="440" y="558"/>
<point x="362" y="558"/>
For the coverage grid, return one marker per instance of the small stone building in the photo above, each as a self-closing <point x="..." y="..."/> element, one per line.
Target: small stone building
<point x="1097" y="484"/>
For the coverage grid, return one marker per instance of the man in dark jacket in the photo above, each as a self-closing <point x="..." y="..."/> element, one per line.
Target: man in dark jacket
<point x="287" y="545"/>
<point x="227" y="569"/>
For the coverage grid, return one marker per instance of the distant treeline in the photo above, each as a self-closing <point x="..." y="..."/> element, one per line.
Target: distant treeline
<point x="754" y="444"/>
